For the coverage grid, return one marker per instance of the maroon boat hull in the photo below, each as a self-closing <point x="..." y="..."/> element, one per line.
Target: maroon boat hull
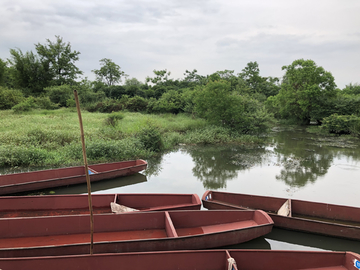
<point x="320" y="218"/>
<point x="54" y="205"/>
<point x="30" y="181"/>
<point x="199" y="260"/>
<point x="131" y="232"/>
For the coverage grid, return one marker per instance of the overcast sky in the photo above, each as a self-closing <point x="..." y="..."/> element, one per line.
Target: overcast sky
<point x="207" y="35"/>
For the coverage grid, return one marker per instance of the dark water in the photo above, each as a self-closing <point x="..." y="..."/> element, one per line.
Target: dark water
<point x="293" y="164"/>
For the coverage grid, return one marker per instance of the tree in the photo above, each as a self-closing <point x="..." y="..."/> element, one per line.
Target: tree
<point x="60" y="59"/>
<point x="304" y="87"/>
<point x="161" y="78"/>
<point x="28" y="72"/>
<point x="110" y="73"/>
<point x="219" y="105"/>
<point x="3" y="68"/>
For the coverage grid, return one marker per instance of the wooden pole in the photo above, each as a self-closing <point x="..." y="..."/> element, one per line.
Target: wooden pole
<point x="86" y="173"/>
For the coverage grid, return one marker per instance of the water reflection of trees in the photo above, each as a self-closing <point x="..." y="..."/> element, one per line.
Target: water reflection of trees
<point x="305" y="157"/>
<point x="214" y="165"/>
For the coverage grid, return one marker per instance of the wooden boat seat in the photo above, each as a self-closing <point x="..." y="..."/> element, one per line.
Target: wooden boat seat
<point x="92" y="171"/>
<point x="285" y="209"/>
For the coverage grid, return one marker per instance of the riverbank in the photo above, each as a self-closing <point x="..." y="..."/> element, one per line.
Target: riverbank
<point x="52" y="137"/>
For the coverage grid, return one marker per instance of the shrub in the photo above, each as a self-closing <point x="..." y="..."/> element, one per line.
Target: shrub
<point x="9" y="98"/>
<point x="151" y="139"/>
<point x="25" y="106"/>
<point x="20" y="156"/>
<point x="342" y="124"/>
<point x="113" y="119"/>
<point x="60" y="94"/>
<point x="136" y="104"/>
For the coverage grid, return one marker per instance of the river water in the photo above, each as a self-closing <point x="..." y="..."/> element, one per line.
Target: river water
<point x="293" y="164"/>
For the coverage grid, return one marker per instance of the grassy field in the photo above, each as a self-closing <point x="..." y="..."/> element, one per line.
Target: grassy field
<point x="52" y="137"/>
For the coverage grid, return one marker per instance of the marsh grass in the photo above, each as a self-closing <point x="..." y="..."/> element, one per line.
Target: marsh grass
<point x="52" y="137"/>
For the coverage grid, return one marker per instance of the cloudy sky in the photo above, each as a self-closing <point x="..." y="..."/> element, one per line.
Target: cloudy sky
<point x="207" y="35"/>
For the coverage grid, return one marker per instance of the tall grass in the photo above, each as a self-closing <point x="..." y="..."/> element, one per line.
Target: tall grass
<point x="52" y="137"/>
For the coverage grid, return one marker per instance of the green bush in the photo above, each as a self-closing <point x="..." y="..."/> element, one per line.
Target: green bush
<point x="106" y="106"/>
<point x="9" y="98"/>
<point x="136" y="104"/>
<point x="19" y="156"/>
<point x="151" y="139"/>
<point x="60" y="94"/>
<point x="113" y="119"/>
<point x="25" y="106"/>
<point x="45" y="103"/>
<point x="342" y="124"/>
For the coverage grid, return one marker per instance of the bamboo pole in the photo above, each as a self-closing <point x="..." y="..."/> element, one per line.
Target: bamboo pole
<point x="86" y="173"/>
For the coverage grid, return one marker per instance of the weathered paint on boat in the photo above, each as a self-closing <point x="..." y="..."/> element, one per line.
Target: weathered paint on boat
<point x="55" y="205"/>
<point x="36" y="180"/>
<point x="313" y="217"/>
<point x="191" y="260"/>
<point x="131" y="232"/>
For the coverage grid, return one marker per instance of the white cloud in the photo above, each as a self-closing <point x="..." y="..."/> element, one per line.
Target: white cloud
<point x="213" y="35"/>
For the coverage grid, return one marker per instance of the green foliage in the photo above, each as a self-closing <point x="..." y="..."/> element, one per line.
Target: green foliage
<point x="25" y="106"/>
<point x="60" y="94"/>
<point x="9" y="98"/>
<point x="106" y="106"/>
<point x="44" y="102"/>
<point x="151" y="138"/>
<point x="3" y="69"/>
<point x="352" y="89"/>
<point x="169" y="102"/>
<point x="28" y="72"/>
<point x="60" y="60"/>
<point x="136" y="104"/>
<point x="109" y="73"/>
<point x="304" y="87"/>
<point x="11" y="155"/>
<point x="221" y="106"/>
<point x="342" y="124"/>
<point x="113" y="119"/>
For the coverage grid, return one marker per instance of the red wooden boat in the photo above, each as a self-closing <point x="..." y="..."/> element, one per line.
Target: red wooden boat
<point x="199" y="260"/>
<point x="29" y="181"/>
<point x="131" y="232"/>
<point x="54" y="205"/>
<point x="313" y="217"/>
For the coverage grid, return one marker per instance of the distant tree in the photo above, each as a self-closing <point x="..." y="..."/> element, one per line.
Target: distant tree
<point x="110" y="73"/>
<point x="161" y="77"/>
<point x="28" y="72"/>
<point x="2" y="71"/>
<point x="219" y="105"/>
<point x="266" y="86"/>
<point x="304" y="87"/>
<point x="61" y="61"/>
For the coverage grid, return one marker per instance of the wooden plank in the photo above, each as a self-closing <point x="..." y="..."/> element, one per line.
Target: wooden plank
<point x="285" y="209"/>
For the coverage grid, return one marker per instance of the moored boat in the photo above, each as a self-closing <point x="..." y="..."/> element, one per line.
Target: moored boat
<point x="37" y="180"/>
<point x="131" y="232"/>
<point x="55" y="205"/>
<point x="197" y="259"/>
<point x="313" y="217"/>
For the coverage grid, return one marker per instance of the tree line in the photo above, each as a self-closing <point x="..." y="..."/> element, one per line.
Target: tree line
<point x="246" y="102"/>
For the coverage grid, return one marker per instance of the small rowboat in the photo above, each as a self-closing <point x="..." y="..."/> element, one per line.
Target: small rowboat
<point x="198" y="259"/>
<point x="313" y="217"/>
<point x="55" y="205"/>
<point x="36" y="180"/>
<point x="131" y="232"/>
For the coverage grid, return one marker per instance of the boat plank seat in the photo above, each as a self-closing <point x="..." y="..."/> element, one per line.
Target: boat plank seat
<point x="92" y="171"/>
<point x="285" y="209"/>
<point x="169" y="226"/>
<point x="118" y="208"/>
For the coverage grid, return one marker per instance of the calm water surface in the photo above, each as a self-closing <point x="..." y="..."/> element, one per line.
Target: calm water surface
<point x="294" y="164"/>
